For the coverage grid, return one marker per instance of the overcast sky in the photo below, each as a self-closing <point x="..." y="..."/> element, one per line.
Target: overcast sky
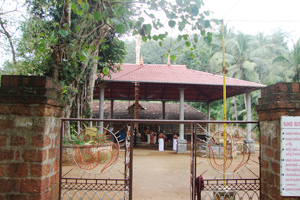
<point x="253" y="16"/>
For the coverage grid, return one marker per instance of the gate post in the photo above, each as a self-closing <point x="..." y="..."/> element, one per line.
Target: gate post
<point x="281" y="99"/>
<point x="30" y="112"/>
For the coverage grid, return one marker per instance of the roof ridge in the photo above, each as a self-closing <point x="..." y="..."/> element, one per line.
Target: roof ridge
<point x="129" y="64"/>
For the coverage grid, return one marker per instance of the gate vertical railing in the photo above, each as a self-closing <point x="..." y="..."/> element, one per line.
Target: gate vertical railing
<point x="105" y="186"/>
<point x="60" y="157"/>
<point x="193" y="162"/>
<point x="237" y="185"/>
<point x="130" y="165"/>
<point x="90" y="176"/>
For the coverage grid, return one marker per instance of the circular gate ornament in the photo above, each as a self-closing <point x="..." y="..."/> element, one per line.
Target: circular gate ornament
<point x="228" y="158"/>
<point x="96" y="152"/>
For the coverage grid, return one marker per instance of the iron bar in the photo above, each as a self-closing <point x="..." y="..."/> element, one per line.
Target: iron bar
<point x="68" y="171"/>
<point x="254" y="161"/>
<point x="153" y="121"/>
<point x="252" y="172"/>
<point x="130" y="164"/>
<point x="194" y="155"/>
<point x="235" y="184"/>
<point x="239" y="175"/>
<point x="126" y="184"/>
<point x="192" y="167"/>
<point x="60" y="157"/>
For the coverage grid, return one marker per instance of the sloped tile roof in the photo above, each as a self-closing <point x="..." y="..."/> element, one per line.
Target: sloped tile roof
<point x="162" y="82"/>
<point x="155" y="73"/>
<point x="152" y="110"/>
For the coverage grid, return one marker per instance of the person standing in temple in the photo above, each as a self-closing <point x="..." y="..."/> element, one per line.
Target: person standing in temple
<point x="152" y="137"/>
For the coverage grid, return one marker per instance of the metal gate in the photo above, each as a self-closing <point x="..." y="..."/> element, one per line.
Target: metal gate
<point x="95" y="161"/>
<point x="230" y="172"/>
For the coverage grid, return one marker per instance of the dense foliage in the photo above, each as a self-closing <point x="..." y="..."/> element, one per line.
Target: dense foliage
<point x="76" y="41"/>
<point x="260" y="58"/>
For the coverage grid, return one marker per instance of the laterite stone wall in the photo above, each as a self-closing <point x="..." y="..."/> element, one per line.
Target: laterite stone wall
<point x="30" y="112"/>
<point x="281" y="99"/>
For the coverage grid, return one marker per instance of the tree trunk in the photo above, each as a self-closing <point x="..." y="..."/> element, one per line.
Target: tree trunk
<point x="66" y="16"/>
<point x="58" y="50"/>
<point x="93" y="73"/>
<point x="136" y="104"/>
<point x="57" y="56"/>
<point x="90" y="90"/>
<point x="91" y="82"/>
<point x="78" y="111"/>
<point x="67" y="114"/>
<point x="11" y="46"/>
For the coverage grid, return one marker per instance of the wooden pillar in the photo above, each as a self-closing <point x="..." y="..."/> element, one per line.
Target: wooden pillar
<point x="136" y="103"/>
<point x="164" y="109"/>
<point x="111" y="111"/>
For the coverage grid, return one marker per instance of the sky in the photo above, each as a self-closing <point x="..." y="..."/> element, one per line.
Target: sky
<point x="253" y="16"/>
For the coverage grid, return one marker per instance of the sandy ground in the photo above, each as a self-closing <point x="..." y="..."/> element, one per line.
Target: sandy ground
<point x="160" y="175"/>
<point x="166" y="175"/>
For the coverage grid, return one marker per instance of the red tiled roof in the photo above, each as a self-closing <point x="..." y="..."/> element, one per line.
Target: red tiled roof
<point x="162" y="83"/>
<point x="172" y="74"/>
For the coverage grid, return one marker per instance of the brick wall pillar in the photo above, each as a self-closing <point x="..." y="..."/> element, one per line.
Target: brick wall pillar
<point x="30" y="112"/>
<point x="281" y="99"/>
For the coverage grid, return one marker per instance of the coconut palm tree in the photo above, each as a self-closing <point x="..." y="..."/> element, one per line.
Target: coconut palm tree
<point x="289" y="63"/>
<point x="243" y="50"/>
<point x="244" y="58"/>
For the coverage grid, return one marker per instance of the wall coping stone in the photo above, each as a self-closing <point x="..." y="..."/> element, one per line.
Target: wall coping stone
<point x="30" y="89"/>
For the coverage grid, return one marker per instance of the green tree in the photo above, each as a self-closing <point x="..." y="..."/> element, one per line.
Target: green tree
<point x="10" y="17"/>
<point x="66" y="39"/>
<point x="289" y="63"/>
<point x="197" y="59"/>
<point x="153" y="52"/>
<point x="242" y="57"/>
<point x="270" y="47"/>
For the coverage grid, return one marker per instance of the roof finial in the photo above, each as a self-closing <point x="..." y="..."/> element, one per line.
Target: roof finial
<point x="169" y="61"/>
<point x="142" y="60"/>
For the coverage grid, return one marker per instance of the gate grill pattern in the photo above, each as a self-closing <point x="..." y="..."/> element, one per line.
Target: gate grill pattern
<point x="94" y="184"/>
<point x="95" y="162"/>
<point x="234" y="184"/>
<point x="113" y="180"/>
<point x="231" y="176"/>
